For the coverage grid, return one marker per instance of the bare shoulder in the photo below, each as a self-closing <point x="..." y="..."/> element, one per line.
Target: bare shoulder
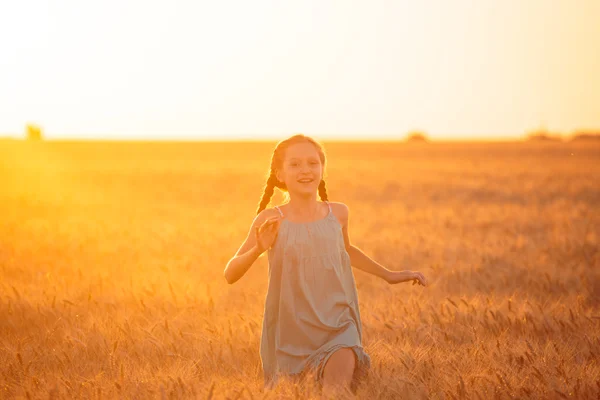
<point x="265" y="214"/>
<point x="341" y="211"/>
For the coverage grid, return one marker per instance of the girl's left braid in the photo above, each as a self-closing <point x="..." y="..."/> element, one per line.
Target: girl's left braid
<point x="323" y="190"/>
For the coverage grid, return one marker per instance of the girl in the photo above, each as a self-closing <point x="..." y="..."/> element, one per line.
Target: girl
<point x="311" y="320"/>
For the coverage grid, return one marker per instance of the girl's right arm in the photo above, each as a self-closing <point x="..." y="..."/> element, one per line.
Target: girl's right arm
<point x="249" y="251"/>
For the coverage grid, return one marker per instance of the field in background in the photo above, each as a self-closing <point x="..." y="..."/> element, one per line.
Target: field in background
<point x="112" y="254"/>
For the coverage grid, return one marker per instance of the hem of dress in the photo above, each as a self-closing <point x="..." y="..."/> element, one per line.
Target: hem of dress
<point x="318" y="364"/>
<point x="361" y="369"/>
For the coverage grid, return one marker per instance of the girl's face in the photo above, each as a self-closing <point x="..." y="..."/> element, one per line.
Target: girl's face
<point x="301" y="163"/>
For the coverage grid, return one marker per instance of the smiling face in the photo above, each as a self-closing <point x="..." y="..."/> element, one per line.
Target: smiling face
<point x="302" y="169"/>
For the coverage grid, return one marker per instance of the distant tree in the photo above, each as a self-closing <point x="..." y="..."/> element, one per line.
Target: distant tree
<point x="33" y="132"/>
<point x="585" y="136"/>
<point x="541" y="135"/>
<point x="417" y="136"/>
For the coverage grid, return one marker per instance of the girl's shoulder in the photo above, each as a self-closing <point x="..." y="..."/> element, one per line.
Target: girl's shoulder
<point x="340" y="210"/>
<point x="263" y="216"/>
<point x="268" y="213"/>
<point x="338" y="205"/>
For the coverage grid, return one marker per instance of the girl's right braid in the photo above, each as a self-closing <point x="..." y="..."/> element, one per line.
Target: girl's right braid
<point x="268" y="193"/>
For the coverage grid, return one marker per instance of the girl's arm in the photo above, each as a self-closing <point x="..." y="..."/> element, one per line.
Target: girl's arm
<point x="360" y="260"/>
<point x="240" y="264"/>
<point x="246" y="254"/>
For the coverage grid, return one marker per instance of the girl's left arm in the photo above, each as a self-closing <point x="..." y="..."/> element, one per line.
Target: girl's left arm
<point x="360" y="260"/>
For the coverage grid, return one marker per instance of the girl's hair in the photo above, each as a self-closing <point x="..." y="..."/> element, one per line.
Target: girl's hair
<point x="277" y="164"/>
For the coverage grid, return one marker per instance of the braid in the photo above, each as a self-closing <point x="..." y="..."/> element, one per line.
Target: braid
<point x="267" y="194"/>
<point x="323" y="190"/>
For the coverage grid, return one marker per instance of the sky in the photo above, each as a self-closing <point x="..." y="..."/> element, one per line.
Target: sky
<point x="458" y="69"/>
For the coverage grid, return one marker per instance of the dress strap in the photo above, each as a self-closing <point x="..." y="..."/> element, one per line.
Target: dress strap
<point x="279" y="210"/>
<point x="328" y="205"/>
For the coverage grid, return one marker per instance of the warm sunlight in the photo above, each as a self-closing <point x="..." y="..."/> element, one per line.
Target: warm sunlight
<point x="264" y="69"/>
<point x="112" y="262"/>
<point x="299" y="199"/>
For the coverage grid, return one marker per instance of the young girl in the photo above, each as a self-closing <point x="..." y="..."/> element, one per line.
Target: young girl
<point x="311" y="320"/>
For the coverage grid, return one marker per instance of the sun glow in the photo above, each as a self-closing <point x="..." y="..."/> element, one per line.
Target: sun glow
<point x="264" y="69"/>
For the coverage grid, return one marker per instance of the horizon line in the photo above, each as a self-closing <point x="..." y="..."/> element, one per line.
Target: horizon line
<point x="362" y="140"/>
<point x="330" y="138"/>
<point x="257" y="139"/>
<point x="268" y="138"/>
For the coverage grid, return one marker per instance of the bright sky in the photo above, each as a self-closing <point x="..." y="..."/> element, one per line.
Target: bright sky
<point x="269" y="69"/>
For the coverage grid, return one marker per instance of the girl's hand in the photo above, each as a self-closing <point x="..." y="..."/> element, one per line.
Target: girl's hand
<point x="266" y="233"/>
<point x="419" y="278"/>
<point x="404" y="276"/>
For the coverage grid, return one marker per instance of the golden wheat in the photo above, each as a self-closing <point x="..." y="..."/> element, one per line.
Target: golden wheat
<point x="112" y="256"/>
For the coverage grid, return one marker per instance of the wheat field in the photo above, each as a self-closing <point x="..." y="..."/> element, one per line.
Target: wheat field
<point x="112" y="257"/>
